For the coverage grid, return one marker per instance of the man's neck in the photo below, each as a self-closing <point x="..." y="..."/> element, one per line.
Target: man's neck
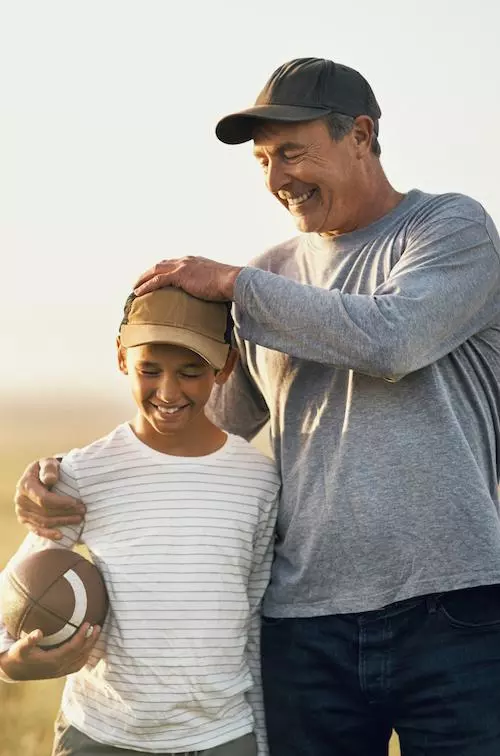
<point x="380" y="199"/>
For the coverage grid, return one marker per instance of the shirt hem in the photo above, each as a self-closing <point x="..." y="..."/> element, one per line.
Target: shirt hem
<point x="324" y="607"/>
<point x="180" y="746"/>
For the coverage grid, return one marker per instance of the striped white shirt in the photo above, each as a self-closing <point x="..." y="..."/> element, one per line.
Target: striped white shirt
<point x="185" y="547"/>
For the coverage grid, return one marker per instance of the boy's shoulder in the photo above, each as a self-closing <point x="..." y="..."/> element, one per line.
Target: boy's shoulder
<point x="115" y="445"/>
<point x="251" y="460"/>
<point x="241" y="445"/>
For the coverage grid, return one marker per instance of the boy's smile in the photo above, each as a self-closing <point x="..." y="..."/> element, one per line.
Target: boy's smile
<point x="171" y="386"/>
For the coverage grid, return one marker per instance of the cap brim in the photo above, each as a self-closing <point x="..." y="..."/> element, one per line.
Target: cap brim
<point x="239" y="127"/>
<point x="214" y="352"/>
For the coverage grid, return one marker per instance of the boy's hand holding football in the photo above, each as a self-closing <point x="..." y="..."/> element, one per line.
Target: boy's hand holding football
<point x="24" y="660"/>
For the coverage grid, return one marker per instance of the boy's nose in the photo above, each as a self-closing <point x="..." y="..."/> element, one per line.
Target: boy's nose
<point x="168" y="391"/>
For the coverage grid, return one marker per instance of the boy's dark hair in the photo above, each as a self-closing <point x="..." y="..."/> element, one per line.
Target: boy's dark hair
<point x="126" y="309"/>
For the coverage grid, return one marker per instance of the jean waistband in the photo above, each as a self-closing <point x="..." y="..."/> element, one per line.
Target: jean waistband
<point x="430" y="600"/>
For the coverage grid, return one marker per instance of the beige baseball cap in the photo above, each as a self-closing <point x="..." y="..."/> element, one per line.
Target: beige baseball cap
<point x="170" y="316"/>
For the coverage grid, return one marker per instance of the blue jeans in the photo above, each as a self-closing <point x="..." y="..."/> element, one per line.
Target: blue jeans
<point x="428" y="667"/>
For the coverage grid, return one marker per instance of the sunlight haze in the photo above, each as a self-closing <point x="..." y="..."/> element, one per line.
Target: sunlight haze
<point x="109" y="162"/>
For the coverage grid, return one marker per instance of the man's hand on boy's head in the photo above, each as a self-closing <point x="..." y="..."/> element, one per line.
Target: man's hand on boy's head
<point x="26" y="661"/>
<point x="198" y="276"/>
<point x="40" y="510"/>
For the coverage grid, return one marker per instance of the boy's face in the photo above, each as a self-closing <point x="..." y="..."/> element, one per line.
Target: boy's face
<point x="170" y="384"/>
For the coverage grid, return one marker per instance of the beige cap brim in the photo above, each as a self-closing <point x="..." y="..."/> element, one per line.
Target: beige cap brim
<point x="214" y="352"/>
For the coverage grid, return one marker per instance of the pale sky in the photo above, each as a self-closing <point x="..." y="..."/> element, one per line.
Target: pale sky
<point x="109" y="162"/>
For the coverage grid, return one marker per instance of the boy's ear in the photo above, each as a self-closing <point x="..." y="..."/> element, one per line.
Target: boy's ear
<point x="121" y="353"/>
<point x="232" y="359"/>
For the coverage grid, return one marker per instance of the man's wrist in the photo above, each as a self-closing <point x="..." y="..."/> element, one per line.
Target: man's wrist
<point x="229" y="286"/>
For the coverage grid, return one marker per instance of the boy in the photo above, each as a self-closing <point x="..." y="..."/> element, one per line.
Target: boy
<point x="180" y="520"/>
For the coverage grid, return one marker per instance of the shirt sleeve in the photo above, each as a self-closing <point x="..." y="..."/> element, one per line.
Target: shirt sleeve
<point x="257" y="584"/>
<point x="71" y="535"/>
<point x="238" y="406"/>
<point x="443" y="289"/>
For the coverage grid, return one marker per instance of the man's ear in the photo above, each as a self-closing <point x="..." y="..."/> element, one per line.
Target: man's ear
<point x="121" y="354"/>
<point x="232" y="359"/>
<point x="363" y="133"/>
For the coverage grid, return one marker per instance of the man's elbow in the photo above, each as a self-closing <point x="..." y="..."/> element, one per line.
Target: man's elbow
<point x="394" y="361"/>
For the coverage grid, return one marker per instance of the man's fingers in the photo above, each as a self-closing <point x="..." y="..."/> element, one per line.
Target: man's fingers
<point x="145" y="276"/>
<point x="59" y="504"/>
<point x="34" y="497"/>
<point x="157" y="282"/>
<point x="164" y="266"/>
<point x="160" y="275"/>
<point x="49" y="471"/>
<point x="48" y="533"/>
<point x="30" y="513"/>
<point x="29" y="484"/>
<point x="31" y="491"/>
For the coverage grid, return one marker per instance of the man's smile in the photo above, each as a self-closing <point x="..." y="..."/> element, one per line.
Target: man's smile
<point x="296" y="200"/>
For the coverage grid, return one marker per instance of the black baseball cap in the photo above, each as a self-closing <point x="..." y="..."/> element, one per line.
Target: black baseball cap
<point x="303" y="89"/>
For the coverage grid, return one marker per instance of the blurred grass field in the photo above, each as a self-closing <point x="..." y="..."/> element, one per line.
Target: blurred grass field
<point x="27" y="710"/>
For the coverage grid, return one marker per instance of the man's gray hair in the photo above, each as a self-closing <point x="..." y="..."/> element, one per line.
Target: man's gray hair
<point x="339" y="125"/>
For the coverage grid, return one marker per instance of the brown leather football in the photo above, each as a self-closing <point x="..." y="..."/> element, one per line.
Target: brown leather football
<point x="54" y="591"/>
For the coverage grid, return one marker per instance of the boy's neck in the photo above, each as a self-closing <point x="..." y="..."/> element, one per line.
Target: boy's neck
<point x="196" y="440"/>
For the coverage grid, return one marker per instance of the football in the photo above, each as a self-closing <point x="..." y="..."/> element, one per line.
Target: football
<point x="54" y="591"/>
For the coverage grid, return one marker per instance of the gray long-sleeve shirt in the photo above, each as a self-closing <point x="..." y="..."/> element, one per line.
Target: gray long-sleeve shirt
<point x="376" y="357"/>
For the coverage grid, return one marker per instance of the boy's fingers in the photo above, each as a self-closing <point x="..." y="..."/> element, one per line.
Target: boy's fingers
<point x="28" y="642"/>
<point x="92" y="637"/>
<point x="82" y="658"/>
<point x="49" y="471"/>
<point x="74" y="647"/>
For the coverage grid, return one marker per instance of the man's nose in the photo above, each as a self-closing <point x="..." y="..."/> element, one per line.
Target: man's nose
<point x="276" y="176"/>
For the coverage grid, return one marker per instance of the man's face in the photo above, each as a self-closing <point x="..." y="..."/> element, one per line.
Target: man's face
<point x="316" y="178"/>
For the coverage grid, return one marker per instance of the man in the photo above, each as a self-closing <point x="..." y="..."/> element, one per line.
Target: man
<point x="372" y="344"/>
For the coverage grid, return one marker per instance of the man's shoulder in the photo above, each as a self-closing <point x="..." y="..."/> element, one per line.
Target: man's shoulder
<point x="273" y="258"/>
<point x="445" y="214"/>
<point x="447" y="206"/>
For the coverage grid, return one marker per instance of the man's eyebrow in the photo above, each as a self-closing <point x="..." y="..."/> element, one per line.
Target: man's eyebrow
<point x="281" y="148"/>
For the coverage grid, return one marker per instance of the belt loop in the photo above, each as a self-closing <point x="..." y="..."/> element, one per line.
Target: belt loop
<point x="432" y="602"/>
